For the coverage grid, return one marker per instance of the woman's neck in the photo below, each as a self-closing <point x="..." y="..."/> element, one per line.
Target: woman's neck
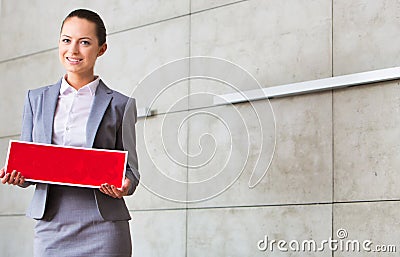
<point x="77" y="81"/>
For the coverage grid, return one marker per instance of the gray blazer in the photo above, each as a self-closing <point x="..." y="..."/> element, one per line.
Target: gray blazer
<point x="104" y="130"/>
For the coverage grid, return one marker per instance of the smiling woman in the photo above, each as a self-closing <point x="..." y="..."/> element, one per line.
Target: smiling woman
<point x="80" y="111"/>
<point x="79" y="47"/>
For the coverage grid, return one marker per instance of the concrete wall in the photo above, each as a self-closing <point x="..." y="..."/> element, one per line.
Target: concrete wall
<point x="336" y="158"/>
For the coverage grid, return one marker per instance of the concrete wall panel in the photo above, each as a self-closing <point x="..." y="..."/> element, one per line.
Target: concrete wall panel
<point x="132" y="55"/>
<point x="16" y="237"/>
<point x="276" y="41"/>
<point x="16" y="77"/>
<point x="160" y="146"/>
<point x="366" y="136"/>
<point x="365" y="35"/>
<point x="196" y="6"/>
<point x="236" y="232"/>
<point x="158" y="233"/>
<point x="14" y="200"/>
<point x="300" y="171"/>
<point x="376" y="222"/>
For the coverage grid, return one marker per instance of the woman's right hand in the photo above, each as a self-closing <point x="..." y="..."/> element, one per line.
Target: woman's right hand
<point x="14" y="178"/>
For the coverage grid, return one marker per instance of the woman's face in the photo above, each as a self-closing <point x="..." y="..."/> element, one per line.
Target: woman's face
<point x="78" y="47"/>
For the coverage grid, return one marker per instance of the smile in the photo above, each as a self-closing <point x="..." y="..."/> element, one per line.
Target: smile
<point x="74" y="60"/>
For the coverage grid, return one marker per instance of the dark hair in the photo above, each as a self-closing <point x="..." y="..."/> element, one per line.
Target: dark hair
<point x="93" y="17"/>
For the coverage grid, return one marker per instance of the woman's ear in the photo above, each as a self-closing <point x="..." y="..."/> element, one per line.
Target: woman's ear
<point x="102" y="50"/>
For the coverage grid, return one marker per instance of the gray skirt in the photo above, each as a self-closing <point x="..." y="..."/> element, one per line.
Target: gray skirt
<point x="72" y="227"/>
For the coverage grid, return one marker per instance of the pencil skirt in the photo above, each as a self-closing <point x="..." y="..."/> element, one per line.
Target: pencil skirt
<point x="73" y="227"/>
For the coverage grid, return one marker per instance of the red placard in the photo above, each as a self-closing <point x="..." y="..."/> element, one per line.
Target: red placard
<point x="63" y="165"/>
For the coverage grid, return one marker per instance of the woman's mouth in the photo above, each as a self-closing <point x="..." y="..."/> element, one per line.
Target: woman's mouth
<point x="73" y="60"/>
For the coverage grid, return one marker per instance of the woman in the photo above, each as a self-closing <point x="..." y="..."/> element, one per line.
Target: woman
<point x="79" y="110"/>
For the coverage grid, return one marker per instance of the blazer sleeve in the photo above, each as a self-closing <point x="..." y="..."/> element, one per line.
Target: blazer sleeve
<point x="27" y="120"/>
<point x="27" y="126"/>
<point x="126" y="139"/>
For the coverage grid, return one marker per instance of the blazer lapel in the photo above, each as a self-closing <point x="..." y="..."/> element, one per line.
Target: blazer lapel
<point x="50" y="97"/>
<point x="101" y="101"/>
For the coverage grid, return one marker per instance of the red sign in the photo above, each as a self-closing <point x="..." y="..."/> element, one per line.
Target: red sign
<point x="63" y="165"/>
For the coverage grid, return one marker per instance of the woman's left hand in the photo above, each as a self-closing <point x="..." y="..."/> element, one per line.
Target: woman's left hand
<point x="114" y="192"/>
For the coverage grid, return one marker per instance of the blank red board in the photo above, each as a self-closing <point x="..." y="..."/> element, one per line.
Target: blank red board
<point x="63" y="165"/>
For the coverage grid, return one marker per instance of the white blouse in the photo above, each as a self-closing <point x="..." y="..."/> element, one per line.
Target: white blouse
<point x="72" y="113"/>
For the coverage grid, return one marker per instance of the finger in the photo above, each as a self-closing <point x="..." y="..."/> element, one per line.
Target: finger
<point x="2" y="173"/>
<point x="103" y="189"/>
<point x="12" y="177"/>
<point x="117" y="192"/>
<point x="17" y="179"/>
<point x="14" y="181"/>
<point x="5" y="178"/>
<point x="22" y="180"/>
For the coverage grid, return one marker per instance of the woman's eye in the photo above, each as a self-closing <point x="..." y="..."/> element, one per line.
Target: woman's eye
<point x="65" y="40"/>
<point x="85" y="42"/>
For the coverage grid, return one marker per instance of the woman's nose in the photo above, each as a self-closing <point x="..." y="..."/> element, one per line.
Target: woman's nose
<point x="73" y="48"/>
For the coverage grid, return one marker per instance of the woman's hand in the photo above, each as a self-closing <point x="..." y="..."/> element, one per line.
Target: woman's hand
<point x="14" y="178"/>
<point x="115" y="192"/>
